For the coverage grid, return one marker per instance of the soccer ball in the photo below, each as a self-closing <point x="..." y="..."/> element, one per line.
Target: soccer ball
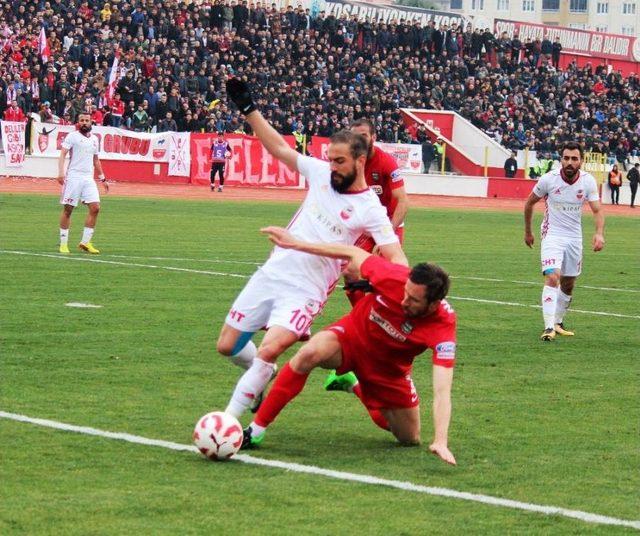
<point x="218" y="435"/>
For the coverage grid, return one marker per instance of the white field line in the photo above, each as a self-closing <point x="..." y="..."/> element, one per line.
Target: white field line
<point x="242" y="276"/>
<point x="587" y="517"/>
<point x="81" y="305"/>
<point x="470" y="278"/>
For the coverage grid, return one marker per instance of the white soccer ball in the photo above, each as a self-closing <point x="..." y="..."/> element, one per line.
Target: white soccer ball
<point x="218" y="435"/>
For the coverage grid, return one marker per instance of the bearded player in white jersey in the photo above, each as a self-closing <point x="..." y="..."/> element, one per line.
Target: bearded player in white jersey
<point x="290" y="289"/>
<point x="78" y="185"/>
<point x="565" y="191"/>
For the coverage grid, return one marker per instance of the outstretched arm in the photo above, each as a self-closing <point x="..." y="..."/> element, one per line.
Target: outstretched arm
<point x="239" y="92"/>
<point x="442" y="381"/>
<point x="284" y="239"/>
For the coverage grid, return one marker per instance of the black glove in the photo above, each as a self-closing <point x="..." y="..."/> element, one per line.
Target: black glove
<point x="238" y="91"/>
<point x="361" y="284"/>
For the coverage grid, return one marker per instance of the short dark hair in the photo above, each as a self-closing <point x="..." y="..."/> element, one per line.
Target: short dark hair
<point x="433" y="277"/>
<point x="356" y="142"/>
<point x="572" y="146"/>
<point x="364" y="122"/>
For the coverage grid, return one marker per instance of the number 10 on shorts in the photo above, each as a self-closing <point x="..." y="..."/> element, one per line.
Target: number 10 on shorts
<point x="300" y="321"/>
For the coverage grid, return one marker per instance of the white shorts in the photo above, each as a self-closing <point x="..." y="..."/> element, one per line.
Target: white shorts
<point x="266" y="302"/>
<point x="564" y="254"/>
<point x="76" y="190"/>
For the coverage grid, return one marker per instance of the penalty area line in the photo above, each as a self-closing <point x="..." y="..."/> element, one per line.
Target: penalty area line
<point x="580" y="515"/>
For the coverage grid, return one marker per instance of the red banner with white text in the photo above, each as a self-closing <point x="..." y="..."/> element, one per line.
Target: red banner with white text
<point x="250" y="164"/>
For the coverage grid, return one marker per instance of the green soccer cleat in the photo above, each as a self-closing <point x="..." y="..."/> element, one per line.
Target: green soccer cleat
<point x="249" y="441"/>
<point x="344" y="382"/>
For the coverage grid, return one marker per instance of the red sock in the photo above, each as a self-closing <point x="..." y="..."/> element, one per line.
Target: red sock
<point x="354" y="296"/>
<point x="286" y="387"/>
<point x="375" y="414"/>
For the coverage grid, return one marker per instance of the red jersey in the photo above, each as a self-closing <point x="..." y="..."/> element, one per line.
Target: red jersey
<point x="383" y="176"/>
<point x="392" y="340"/>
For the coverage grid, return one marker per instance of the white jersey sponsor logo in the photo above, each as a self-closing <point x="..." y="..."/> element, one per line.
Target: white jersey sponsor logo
<point x="564" y="202"/>
<point x="330" y="217"/>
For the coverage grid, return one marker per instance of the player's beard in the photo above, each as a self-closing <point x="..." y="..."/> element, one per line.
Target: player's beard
<point x="85" y="129"/>
<point x="569" y="171"/>
<point x="341" y="183"/>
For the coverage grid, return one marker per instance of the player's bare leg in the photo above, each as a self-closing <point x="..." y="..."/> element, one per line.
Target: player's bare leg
<point x="549" y="303"/>
<point x="404" y="424"/>
<point x="253" y="382"/>
<point x="565" y="295"/>
<point x="89" y="227"/>
<point x="323" y="350"/>
<point x="65" y="223"/>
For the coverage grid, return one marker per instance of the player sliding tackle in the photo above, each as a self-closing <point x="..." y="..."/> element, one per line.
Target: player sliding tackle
<point x="290" y="289"/>
<point x="378" y="340"/>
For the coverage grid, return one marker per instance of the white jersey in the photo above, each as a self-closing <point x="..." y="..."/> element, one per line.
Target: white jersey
<point x="330" y="217"/>
<point x="82" y="149"/>
<point x="564" y="201"/>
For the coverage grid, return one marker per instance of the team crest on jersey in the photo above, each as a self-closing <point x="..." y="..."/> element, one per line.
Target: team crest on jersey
<point x="375" y="176"/>
<point x="406" y="327"/>
<point x="346" y="212"/>
<point x="580" y="194"/>
<point x="377" y="189"/>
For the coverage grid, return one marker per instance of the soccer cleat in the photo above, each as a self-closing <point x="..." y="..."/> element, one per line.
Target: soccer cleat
<point x="560" y="330"/>
<point x="249" y="441"/>
<point x="344" y="382"/>
<point x="88" y="247"/>
<point x="548" y="334"/>
<point x="64" y="248"/>
<point x="257" y="401"/>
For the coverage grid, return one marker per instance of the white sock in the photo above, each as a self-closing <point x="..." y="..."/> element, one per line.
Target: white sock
<point x="564" y="300"/>
<point x="549" y="301"/>
<point x="64" y="236"/>
<point x="87" y="234"/>
<point x="244" y="358"/>
<point x="256" y="429"/>
<point x="249" y="386"/>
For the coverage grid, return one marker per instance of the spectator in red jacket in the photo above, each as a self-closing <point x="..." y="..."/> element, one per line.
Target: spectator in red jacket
<point x="14" y="113"/>
<point x="117" y="110"/>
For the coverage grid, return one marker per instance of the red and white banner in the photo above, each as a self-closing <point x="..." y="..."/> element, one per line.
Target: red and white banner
<point x="179" y="156"/>
<point x="115" y="144"/>
<point x="114" y="76"/>
<point x="250" y="163"/>
<point x="13" y="134"/>
<point x="408" y="156"/>
<point x="43" y="46"/>
<point x="596" y="44"/>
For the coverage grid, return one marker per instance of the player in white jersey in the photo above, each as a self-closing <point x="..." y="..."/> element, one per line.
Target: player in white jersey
<point x="565" y="191"/>
<point x="79" y="184"/>
<point x="290" y="289"/>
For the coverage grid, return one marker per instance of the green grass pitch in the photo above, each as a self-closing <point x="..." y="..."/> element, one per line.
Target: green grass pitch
<point x="553" y="424"/>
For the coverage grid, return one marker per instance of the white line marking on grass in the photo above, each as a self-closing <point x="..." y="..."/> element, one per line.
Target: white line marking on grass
<point x="81" y="305"/>
<point x="242" y="276"/>
<point x="118" y="263"/>
<point x="536" y="283"/>
<point x="513" y="304"/>
<point x="183" y="259"/>
<point x="587" y="517"/>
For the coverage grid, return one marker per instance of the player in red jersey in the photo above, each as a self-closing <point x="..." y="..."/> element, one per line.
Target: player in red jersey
<point x="378" y="340"/>
<point x="383" y="177"/>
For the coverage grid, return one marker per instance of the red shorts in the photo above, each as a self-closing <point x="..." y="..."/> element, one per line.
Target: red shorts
<point x="380" y="388"/>
<point x="367" y="243"/>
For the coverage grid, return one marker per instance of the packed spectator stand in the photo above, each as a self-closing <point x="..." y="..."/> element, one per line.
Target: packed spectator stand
<point x="312" y="75"/>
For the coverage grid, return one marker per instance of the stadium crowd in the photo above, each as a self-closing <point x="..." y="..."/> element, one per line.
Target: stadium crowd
<point x="312" y="75"/>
